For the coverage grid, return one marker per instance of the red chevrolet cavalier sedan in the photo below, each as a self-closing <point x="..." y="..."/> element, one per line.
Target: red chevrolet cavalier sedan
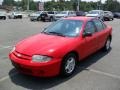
<point x="57" y="49"/>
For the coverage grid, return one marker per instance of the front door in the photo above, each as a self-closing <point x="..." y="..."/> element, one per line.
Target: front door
<point x="90" y="44"/>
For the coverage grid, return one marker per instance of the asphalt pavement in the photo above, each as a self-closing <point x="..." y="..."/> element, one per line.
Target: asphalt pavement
<point x="100" y="71"/>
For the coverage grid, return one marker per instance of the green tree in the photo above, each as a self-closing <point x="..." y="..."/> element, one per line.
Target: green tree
<point x="8" y="2"/>
<point x="24" y="4"/>
<point x="33" y="5"/>
<point x="112" y="5"/>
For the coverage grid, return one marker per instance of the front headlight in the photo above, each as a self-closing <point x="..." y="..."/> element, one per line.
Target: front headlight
<point x="12" y="50"/>
<point x="40" y="58"/>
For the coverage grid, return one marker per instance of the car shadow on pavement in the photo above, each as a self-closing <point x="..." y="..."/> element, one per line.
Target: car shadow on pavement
<point x="35" y="83"/>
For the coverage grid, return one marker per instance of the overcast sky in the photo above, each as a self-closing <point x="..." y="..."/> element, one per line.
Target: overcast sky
<point x="49" y="0"/>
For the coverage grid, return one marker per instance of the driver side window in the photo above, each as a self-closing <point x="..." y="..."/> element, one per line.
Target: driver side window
<point x="90" y="27"/>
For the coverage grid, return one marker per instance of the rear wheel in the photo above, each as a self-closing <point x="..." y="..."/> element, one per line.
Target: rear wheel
<point x="51" y="19"/>
<point x="112" y="18"/>
<point x="20" y="17"/>
<point x="38" y="19"/>
<point x="4" y="18"/>
<point x="107" y="45"/>
<point x="14" y="17"/>
<point x="31" y="20"/>
<point x="68" y="65"/>
<point x="109" y="19"/>
<point x="44" y="20"/>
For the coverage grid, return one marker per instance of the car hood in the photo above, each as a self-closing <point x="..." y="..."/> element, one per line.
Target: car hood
<point x="92" y="15"/>
<point x="2" y="14"/>
<point x="17" y="14"/>
<point x="34" y="15"/>
<point x="42" y="44"/>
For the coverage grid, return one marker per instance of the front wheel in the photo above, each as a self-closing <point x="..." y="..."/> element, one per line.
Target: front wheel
<point x="51" y="19"/>
<point x="39" y="19"/>
<point x="68" y="65"/>
<point x="20" y="17"/>
<point x="107" y="45"/>
<point x="4" y="18"/>
<point x="112" y="19"/>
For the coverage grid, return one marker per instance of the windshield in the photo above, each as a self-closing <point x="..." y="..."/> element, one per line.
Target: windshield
<point x="70" y="28"/>
<point x="37" y="12"/>
<point x="50" y="12"/>
<point x="106" y="12"/>
<point x="63" y="12"/>
<point x="94" y="12"/>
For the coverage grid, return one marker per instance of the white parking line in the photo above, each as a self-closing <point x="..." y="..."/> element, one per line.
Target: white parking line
<point x="104" y="73"/>
<point x="5" y="47"/>
<point x="91" y="70"/>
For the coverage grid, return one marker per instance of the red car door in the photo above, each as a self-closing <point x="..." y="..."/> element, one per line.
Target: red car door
<point x="102" y="32"/>
<point x="90" y="43"/>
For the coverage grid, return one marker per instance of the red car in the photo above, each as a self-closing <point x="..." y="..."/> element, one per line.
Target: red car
<point x="57" y="49"/>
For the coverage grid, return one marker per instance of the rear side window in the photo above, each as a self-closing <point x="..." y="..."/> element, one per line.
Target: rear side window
<point x="90" y="27"/>
<point x="99" y="25"/>
<point x="50" y="12"/>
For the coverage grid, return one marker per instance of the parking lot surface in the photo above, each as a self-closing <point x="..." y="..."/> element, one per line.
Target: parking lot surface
<point x="101" y="71"/>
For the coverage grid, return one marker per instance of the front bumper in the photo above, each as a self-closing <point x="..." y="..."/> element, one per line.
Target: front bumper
<point x="49" y="69"/>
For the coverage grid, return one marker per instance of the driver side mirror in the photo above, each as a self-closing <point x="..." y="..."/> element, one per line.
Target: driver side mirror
<point x="87" y="34"/>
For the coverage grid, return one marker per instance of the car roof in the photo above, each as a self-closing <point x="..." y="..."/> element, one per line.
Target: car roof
<point x="107" y="11"/>
<point x="67" y="11"/>
<point x="82" y="18"/>
<point x="96" y="10"/>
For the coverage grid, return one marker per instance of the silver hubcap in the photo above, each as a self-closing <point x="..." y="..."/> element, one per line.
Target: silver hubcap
<point x="108" y="44"/>
<point x="70" y="65"/>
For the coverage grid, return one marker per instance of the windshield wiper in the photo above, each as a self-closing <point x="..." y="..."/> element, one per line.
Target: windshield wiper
<point x="56" y="33"/>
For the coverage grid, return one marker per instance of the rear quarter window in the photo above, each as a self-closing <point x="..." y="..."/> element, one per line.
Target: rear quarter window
<point x="99" y="25"/>
<point x="104" y="26"/>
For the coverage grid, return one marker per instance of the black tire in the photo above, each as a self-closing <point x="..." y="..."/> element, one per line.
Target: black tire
<point x="51" y="19"/>
<point x="107" y="44"/>
<point x="109" y="19"/>
<point x="4" y="18"/>
<point x="31" y="20"/>
<point x="44" y="20"/>
<point x="9" y="17"/>
<point x="64" y="64"/>
<point x="112" y="19"/>
<point x="20" y="17"/>
<point x="38" y="19"/>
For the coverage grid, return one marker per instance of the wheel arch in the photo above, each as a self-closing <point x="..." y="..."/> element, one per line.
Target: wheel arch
<point x="110" y="36"/>
<point x="73" y="52"/>
<point x="51" y="16"/>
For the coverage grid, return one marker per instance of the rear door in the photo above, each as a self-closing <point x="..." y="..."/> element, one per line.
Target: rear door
<point x="102" y="32"/>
